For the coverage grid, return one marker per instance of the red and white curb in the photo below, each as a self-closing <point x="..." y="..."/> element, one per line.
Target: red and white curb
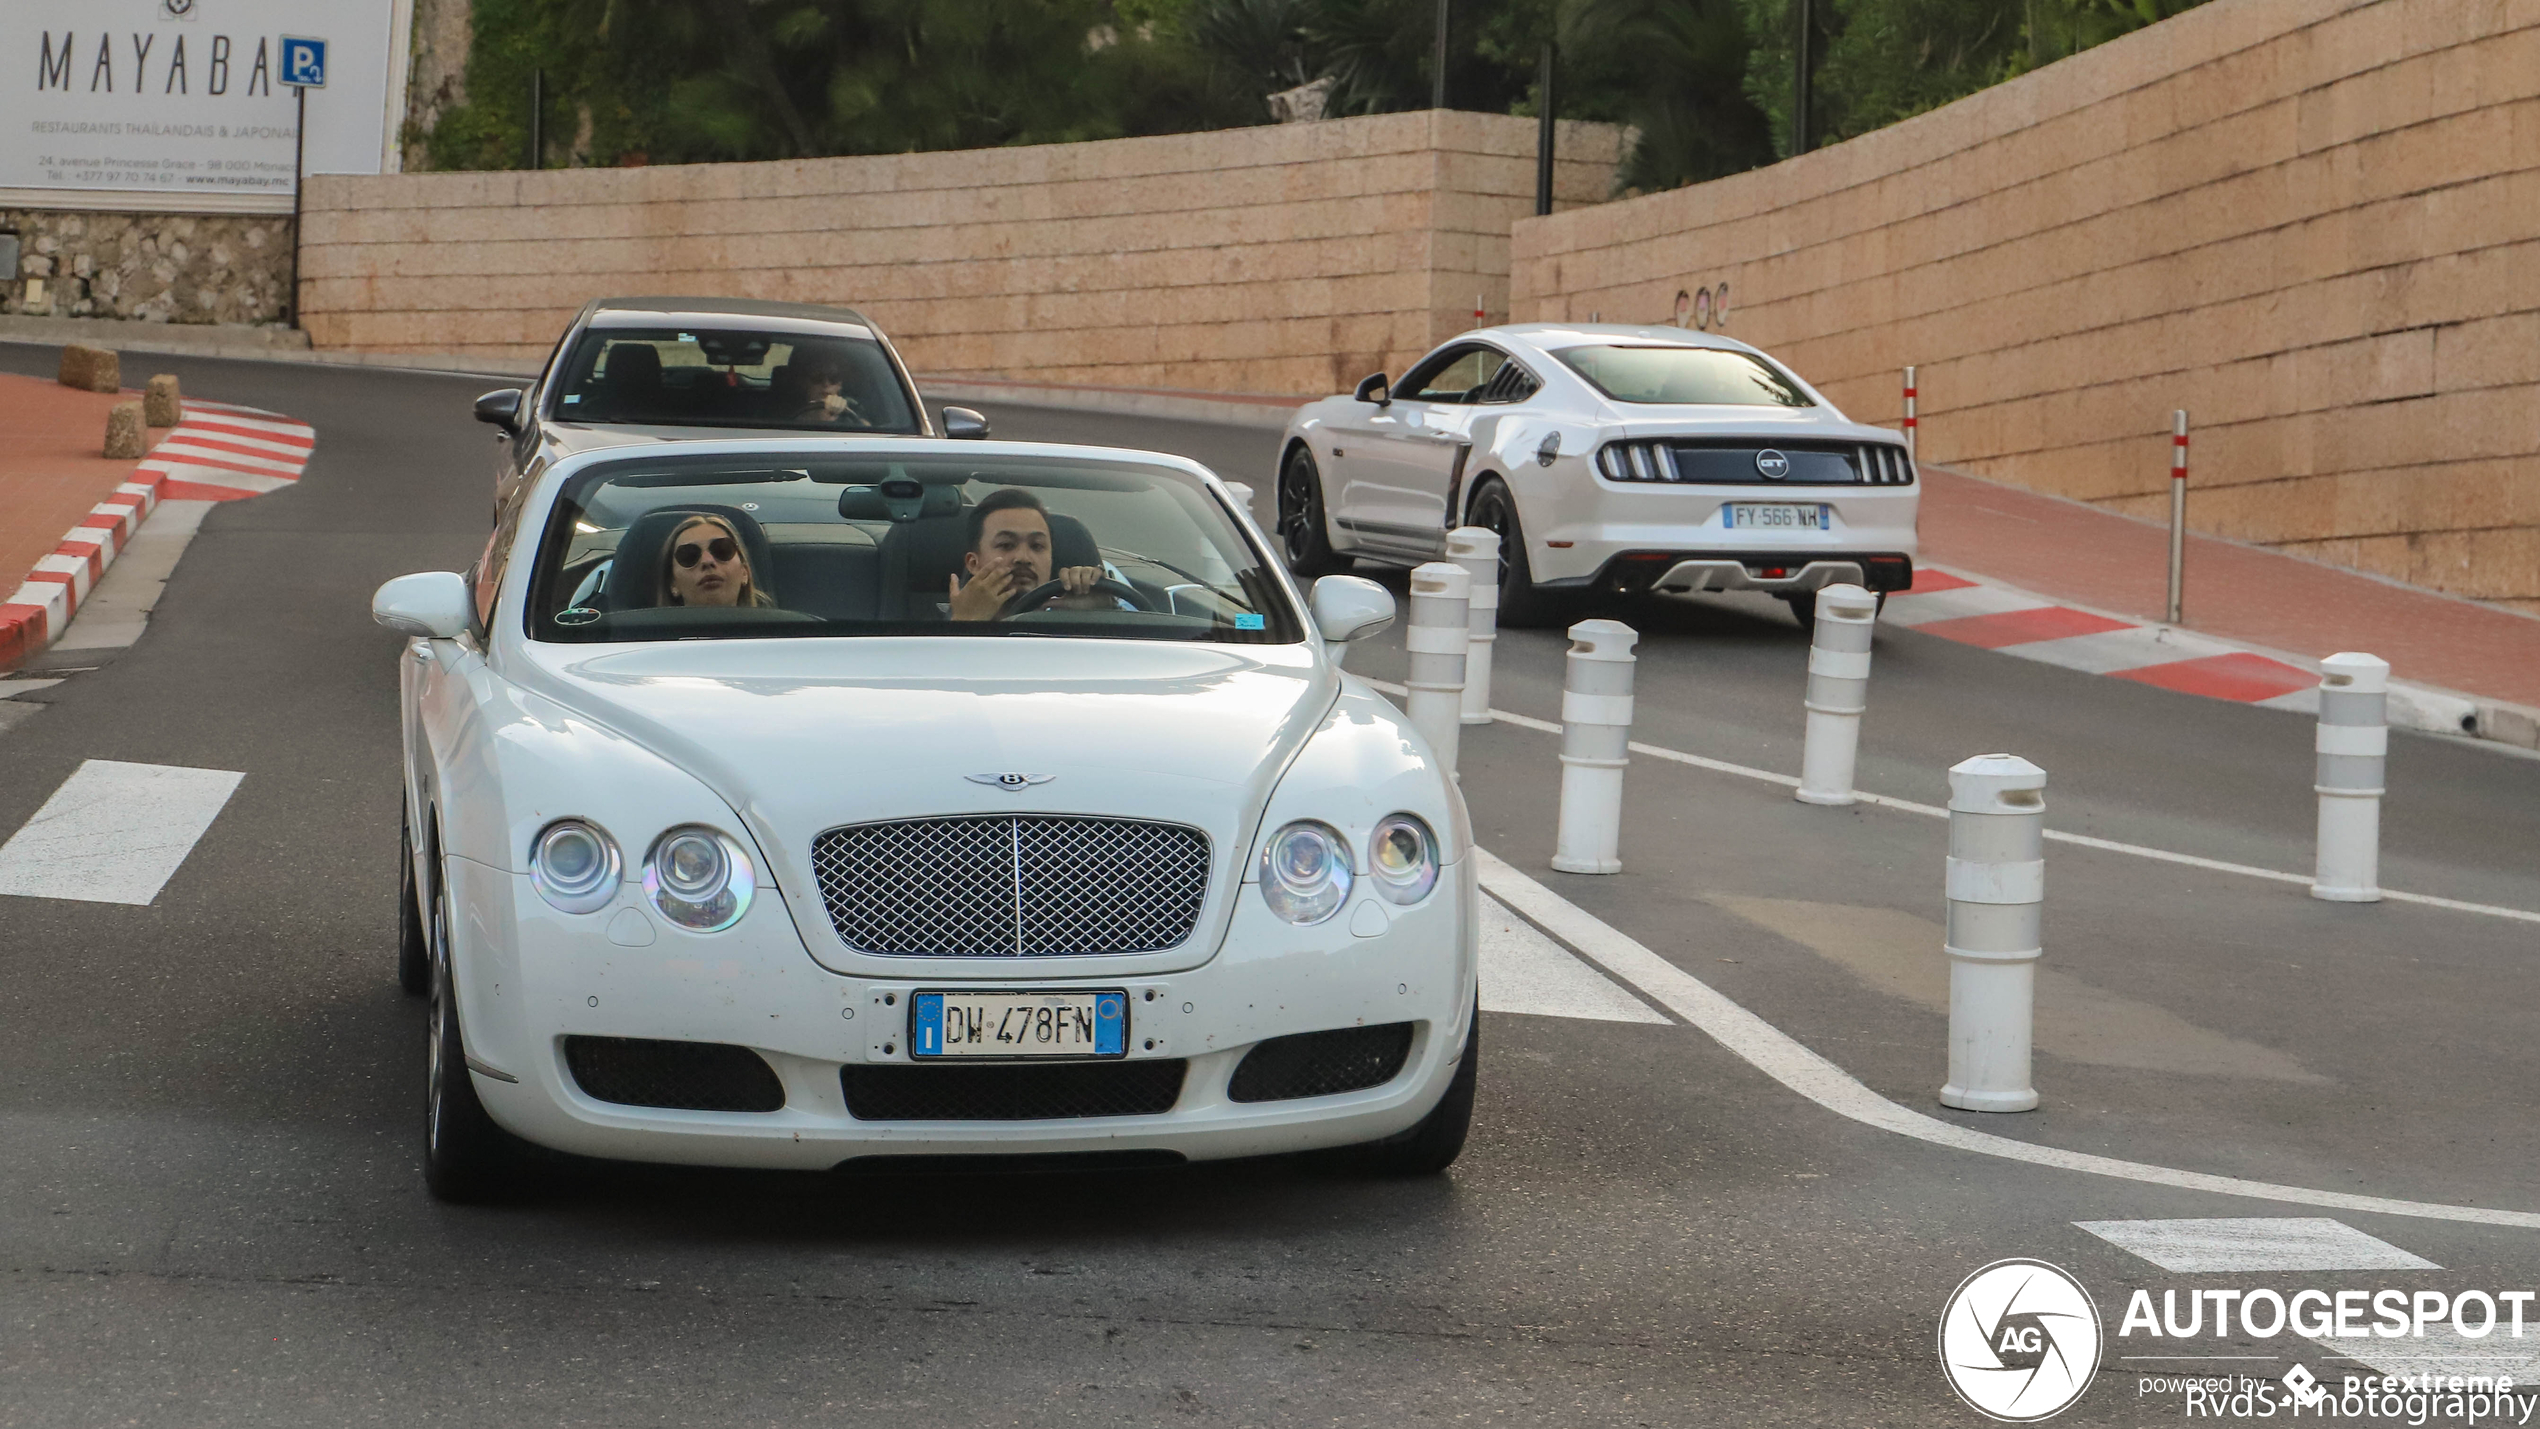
<point x="220" y="452"/>
<point x="1974" y="611"/>
<point x="216" y="452"/>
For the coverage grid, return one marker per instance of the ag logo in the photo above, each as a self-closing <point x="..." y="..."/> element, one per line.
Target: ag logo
<point x="176" y="9"/>
<point x="2020" y="1341"/>
<point x="1771" y="465"/>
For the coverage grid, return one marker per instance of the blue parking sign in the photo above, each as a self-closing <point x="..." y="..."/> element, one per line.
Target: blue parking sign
<point x="303" y="62"/>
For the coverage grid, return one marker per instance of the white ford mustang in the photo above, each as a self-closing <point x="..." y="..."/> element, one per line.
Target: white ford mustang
<point x="1610" y="459"/>
<point x="792" y="802"/>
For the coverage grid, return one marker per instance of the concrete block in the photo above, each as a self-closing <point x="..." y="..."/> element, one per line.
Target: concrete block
<point x="90" y="369"/>
<point x="162" y="406"/>
<point x="125" y="440"/>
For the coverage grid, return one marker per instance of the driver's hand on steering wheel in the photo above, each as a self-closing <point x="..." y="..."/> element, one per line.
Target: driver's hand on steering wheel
<point x="1079" y="579"/>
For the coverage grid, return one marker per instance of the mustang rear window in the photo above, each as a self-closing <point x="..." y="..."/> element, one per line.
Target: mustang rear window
<point x="720" y="547"/>
<point x="1690" y="376"/>
<point x="733" y="377"/>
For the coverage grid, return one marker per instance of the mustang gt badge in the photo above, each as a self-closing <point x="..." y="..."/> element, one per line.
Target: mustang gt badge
<point x="1771" y="465"/>
<point x="1010" y="781"/>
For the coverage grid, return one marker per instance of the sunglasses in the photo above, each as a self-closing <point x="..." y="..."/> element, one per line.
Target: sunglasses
<point x="688" y="553"/>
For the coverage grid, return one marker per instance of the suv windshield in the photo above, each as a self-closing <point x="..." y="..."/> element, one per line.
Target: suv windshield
<point x="1694" y="376"/>
<point x="704" y="547"/>
<point x="733" y="377"/>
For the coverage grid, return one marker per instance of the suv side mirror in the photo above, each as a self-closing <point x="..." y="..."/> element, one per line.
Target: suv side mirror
<point x="502" y="408"/>
<point x="433" y="604"/>
<point x="1374" y="388"/>
<point x="964" y="425"/>
<point x="1350" y="608"/>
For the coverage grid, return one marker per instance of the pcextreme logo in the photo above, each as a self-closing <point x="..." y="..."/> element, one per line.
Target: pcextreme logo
<point x="2020" y="1341"/>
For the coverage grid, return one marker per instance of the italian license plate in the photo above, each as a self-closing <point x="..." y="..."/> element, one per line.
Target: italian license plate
<point x="1747" y="515"/>
<point x="1019" y="1024"/>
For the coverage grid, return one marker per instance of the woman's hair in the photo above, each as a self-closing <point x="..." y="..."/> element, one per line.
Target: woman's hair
<point x="752" y="592"/>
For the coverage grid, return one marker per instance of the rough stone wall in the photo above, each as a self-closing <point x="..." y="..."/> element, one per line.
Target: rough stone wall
<point x="437" y="81"/>
<point x="2311" y="223"/>
<point x="1288" y="258"/>
<point x="148" y="267"/>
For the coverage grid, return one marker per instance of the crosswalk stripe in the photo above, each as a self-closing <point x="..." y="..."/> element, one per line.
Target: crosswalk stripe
<point x="2249" y="1243"/>
<point x="114" y="832"/>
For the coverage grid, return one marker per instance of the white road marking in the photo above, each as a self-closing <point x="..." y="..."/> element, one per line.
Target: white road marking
<point x="2251" y="1243"/>
<point x="1776" y="1054"/>
<point x="1934" y="811"/>
<point x="1524" y="971"/>
<point x="2445" y="1351"/>
<point x="114" y="833"/>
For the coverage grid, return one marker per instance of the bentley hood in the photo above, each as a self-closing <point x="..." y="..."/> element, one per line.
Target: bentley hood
<point x="802" y="736"/>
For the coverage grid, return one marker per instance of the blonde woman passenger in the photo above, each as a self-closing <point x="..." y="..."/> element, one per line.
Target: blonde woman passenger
<point x="706" y="563"/>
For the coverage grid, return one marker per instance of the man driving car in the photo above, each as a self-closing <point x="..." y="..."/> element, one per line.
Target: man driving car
<point x="1010" y="554"/>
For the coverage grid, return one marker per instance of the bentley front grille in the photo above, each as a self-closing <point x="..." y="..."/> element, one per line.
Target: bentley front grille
<point x="1012" y="885"/>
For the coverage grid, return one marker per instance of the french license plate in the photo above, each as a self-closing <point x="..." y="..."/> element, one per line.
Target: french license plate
<point x="1757" y="516"/>
<point x="1019" y="1024"/>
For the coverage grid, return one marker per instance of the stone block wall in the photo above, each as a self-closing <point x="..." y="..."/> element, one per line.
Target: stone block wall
<point x="2314" y="224"/>
<point x="147" y="267"/>
<point x="1291" y="258"/>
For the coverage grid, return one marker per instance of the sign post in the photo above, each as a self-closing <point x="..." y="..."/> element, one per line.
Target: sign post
<point x="304" y="69"/>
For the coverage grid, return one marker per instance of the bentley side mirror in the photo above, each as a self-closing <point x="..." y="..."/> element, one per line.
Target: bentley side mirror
<point x="964" y="425"/>
<point x="1374" y="388"/>
<point x="501" y="407"/>
<point x="433" y="604"/>
<point x="1350" y="608"/>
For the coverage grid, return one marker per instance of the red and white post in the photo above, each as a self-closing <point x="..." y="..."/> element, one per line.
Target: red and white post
<point x="1909" y="415"/>
<point x="1479" y="312"/>
<point x="2178" y="511"/>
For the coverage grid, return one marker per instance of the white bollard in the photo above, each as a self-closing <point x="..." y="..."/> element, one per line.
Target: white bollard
<point x="1476" y="549"/>
<point x="1997" y="889"/>
<point x="2354" y="748"/>
<point x="1437" y="637"/>
<point x="1596" y="735"/>
<point x="1838" y="693"/>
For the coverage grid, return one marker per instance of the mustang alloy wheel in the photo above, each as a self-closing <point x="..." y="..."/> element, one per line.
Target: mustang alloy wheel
<point x="466" y="1157"/>
<point x="1432" y="1144"/>
<point x="1302" y="531"/>
<point x="1522" y="604"/>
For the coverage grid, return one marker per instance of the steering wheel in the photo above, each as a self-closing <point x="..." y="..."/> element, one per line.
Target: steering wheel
<point x="1047" y="591"/>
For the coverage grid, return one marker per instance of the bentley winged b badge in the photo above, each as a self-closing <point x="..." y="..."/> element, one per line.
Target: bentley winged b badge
<point x="1010" y="781"/>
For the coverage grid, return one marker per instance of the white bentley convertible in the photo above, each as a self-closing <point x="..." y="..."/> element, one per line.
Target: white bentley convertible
<point x="793" y="802"/>
<point x="1611" y="460"/>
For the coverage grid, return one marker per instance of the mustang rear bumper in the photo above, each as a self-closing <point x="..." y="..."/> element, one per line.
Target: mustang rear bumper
<point x="558" y="976"/>
<point x="1777" y="573"/>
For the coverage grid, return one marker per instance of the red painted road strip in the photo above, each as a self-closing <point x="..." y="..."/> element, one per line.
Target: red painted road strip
<point x="2237" y="676"/>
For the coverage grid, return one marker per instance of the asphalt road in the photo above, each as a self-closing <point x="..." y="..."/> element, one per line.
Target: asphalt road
<point x="211" y="1212"/>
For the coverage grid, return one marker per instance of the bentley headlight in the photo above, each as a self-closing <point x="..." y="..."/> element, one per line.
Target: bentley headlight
<point x="574" y="866"/>
<point x="1305" y="872"/>
<point x="699" y="879"/>
<point x="1402" y="858"/>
